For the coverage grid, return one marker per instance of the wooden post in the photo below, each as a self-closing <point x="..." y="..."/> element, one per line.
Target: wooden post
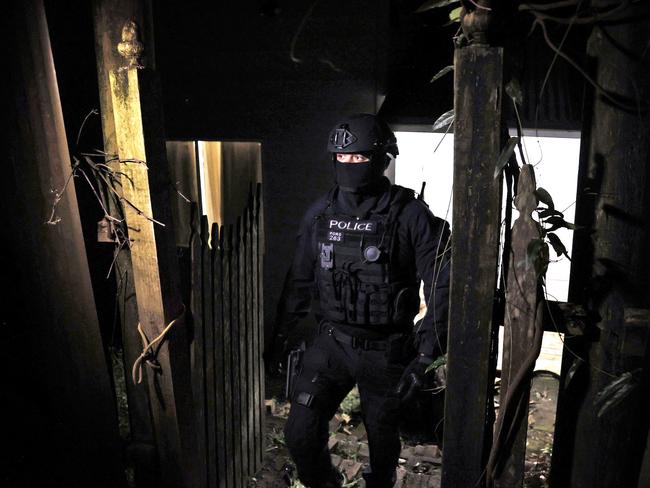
<point x="108" y="17"/>
<point x="474" y="258"/>
<point x="158" y="300"/>
<point x="600" y="444"/>
<point x="44" y="237"/>
<point x="522" y="341"/>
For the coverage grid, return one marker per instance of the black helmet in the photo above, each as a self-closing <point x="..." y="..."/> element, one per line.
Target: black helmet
<point x="361" y="133"/>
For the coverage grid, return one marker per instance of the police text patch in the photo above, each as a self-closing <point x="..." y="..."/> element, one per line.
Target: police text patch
<point x="344" y="225"/>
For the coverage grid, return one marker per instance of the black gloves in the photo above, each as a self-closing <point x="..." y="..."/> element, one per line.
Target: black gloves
<point x="413" y="378"/>
<point x="276" y="357"/>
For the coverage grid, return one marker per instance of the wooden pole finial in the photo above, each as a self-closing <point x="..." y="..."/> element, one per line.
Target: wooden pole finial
<point x="130" y="48"/>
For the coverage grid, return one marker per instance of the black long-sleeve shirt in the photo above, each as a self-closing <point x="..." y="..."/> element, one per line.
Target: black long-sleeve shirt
<point x="422" y="248"/>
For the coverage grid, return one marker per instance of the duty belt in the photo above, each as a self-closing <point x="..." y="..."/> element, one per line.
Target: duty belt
<point x="357" y="342"/>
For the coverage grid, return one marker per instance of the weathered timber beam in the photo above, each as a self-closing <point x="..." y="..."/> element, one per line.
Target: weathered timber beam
<point x="600" y="443"/>
<point x="158" y="300"/>
<point x="565" y="318"/>
<point x="474" y="260"/>
<point x="62" y="345"/>
<point x="108" y="20"/>
<point x="522" y="342"/>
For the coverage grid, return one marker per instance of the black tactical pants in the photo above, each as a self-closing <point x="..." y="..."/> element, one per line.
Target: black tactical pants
<point x="330" y="369"/>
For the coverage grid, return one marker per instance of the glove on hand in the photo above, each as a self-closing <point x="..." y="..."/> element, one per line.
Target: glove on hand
<point x="412" y="379"/>
<point x="276" y="357"/>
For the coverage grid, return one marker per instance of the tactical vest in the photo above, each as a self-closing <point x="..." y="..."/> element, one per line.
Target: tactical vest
<point x="358" y="283"/>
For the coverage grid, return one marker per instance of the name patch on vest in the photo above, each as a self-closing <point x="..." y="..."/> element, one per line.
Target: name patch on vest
<point x="353" y="226"/>
<point x="335" y="236"/>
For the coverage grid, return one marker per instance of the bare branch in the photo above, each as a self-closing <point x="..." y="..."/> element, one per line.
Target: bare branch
<point x="58" y="195"/>
<point x="599" y="89"/>
<point x="92" y="112"/>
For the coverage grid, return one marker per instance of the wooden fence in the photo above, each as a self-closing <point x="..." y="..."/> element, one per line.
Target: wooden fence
<point x="227" y="368"/>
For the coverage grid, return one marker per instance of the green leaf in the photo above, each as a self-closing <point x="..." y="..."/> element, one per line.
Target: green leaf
<point x="555" y="241"/>
<point x="444" y="120"/>
<point x="439" y="361"/>
<point x="431" y="4"/>
<point x="504" y="157"/>
<point x="545" y="197"/>
<point x="454" y="15"/>
<point x="442" y="72"/>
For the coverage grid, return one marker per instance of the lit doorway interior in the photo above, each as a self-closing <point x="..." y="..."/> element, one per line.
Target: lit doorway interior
<point x="217" y="175"/>
<point x="428" y="157"/>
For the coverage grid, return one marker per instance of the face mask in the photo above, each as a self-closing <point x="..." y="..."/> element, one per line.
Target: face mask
<point x="355" y="177"/>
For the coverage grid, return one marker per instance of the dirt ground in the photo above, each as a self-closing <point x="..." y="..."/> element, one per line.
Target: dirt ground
<point x="419" y="463"/>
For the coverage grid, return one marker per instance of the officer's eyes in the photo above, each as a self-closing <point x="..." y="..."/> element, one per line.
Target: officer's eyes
<point x="351" y="158"/>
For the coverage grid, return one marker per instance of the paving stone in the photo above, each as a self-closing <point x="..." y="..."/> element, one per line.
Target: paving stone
<point x="335" y="423"/>
<point x="364" y="450"/>
<point x="360" y="432"/>
<point x="406" y="453"/>
<point x="401" y="475"/>
<point x="414" y="480"/>
<point x="332" y="442"/>
<point x="434" y="479"/>
<point x="426" y="459"/>
<point x="348" y="447"/>
<point x="336" y="460"/>
<point x="428" y="450"/>
<point x="350" y="468"/>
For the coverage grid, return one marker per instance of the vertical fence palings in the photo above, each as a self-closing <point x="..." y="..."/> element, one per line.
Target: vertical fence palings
<point x="233" y="297"/>
<point x="218" y="355"/>
<point x="229" y="394"/>
<point x="208" y="346"/>
<point x="258" y="307"/>
<point x="227" y="370"/>
<point x="243" y="359"/>
<point x="197" y="350"/>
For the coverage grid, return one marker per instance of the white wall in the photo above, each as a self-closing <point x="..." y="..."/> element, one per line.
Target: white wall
<point x="426" y="156"/>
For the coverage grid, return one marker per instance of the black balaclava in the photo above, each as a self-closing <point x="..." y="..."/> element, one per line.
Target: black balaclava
<point x="360" y="177"/>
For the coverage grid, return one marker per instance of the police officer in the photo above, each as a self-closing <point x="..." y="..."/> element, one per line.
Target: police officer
<point x="362" y="250"/>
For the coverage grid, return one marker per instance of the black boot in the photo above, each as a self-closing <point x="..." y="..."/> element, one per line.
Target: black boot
<point x="332" y="480"/>
<point x="379" y="480"/>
